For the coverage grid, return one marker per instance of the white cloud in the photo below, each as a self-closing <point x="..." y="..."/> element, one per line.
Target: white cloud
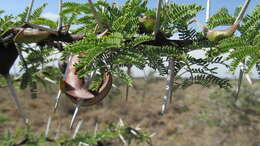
<point x="51" y="16"/>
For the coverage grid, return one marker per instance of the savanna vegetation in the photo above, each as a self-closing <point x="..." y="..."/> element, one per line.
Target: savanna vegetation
<point x="98" y="44"/>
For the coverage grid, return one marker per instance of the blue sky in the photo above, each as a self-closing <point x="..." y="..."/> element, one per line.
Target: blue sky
<point x="17" y="6"/>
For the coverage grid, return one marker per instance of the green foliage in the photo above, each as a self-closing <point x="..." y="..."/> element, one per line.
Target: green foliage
<point x="45" y="22"/>
<point x="36" y="13"/>
<point x="110" y="133"/>
<point x="123" y="45"/>
<point x="36" y="58"/>
<point x="178" y="15"/>
<point x="5" y="23"/>
<point x="246" y="46"/>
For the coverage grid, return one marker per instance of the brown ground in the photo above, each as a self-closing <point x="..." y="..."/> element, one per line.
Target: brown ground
<point x="192" y="120"/>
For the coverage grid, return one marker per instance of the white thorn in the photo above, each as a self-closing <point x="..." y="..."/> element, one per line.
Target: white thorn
<point x="152" y="135"/>
<point x="83" y="144"/>
<point x="208" y="10"/>
<point x="50" y="80"/>
<point x="163" y="108"/>
<point x="95" y="130"/>
<point x="77" y="128"/>
<point x="75" y="113"/>
<point x="122" y="139"/>
<point x="57" y="100"/>
<point x="121" y="123"/>
<point x="248" y="79"/>
<point x="114" y="86"/>
<point x="29" y="11"/>
<point x="138" y="128"/>
<point x="48" y="126"/>
<point x="133" y="132"/>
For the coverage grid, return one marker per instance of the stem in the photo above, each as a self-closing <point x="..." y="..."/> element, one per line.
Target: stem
<point x="127" y="86"/>
<point x="239" y="83"/>
<point x="169" y="85"/>
<point x="29" y="11"/>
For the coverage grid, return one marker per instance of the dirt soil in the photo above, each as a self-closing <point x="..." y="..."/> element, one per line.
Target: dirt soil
<point x="192" y="119"/>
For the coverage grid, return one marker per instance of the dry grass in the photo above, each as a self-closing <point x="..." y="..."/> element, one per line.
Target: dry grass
<point x="192" y="120"/>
